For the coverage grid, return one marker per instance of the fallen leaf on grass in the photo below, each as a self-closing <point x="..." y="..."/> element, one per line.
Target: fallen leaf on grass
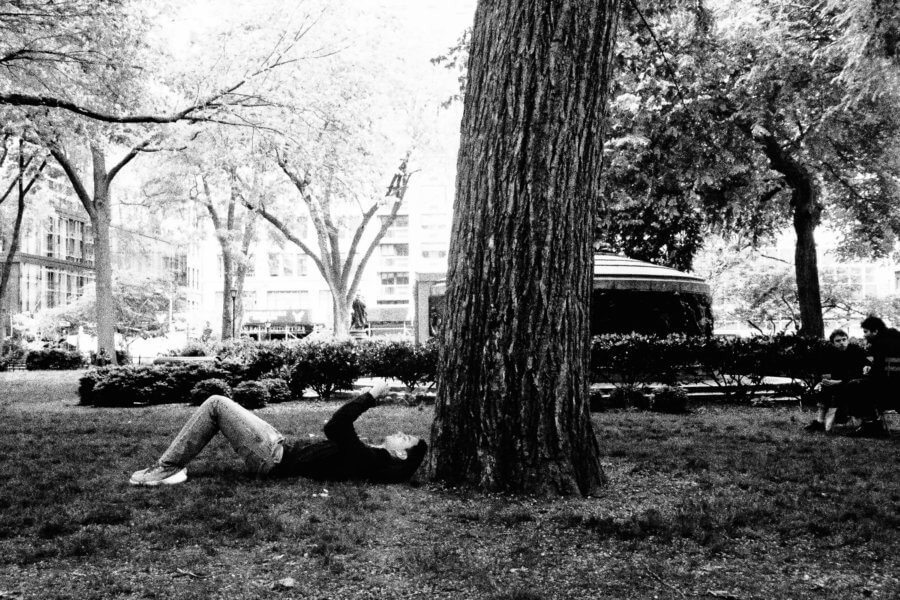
<point x="185" y="573"/>
<point x="284" y="584"/>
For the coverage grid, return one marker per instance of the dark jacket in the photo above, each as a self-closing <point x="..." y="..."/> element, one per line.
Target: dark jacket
<point x="846" y="364"/>
<point x="886" y="343"/>
<point x="343" y="456"/>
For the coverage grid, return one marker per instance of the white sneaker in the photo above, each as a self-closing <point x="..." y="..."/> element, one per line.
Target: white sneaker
<point x="829" y="418"/>
<point x="159" y="475"/>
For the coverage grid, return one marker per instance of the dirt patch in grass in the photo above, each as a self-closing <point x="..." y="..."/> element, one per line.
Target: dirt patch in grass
<point x="720" y="503"/>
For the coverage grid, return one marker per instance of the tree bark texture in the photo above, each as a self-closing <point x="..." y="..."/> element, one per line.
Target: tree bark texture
<point x="234" y="258"/>
<point x="512" y="410"/>
<point x="807" y="213"/>
<point x="101" y="220"/>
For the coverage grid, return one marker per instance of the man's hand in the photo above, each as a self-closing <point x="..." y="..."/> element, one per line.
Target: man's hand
<point x="379" y="389"/>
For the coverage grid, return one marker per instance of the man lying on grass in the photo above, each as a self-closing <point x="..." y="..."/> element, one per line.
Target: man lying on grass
<point x="343" y="456"/>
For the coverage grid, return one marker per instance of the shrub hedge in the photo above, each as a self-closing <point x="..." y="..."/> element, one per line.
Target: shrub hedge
<point x="144" y="384"/>
<point x="54" y="359"/>
<point x="630" y="362"/>
<point x="325" y="366"/>
<point x="209" y="387"/>
<point x="11" y="351"/>
<point x="278" y="390"/>
<point x="735" y="365"/>
<point x="251" y="394"/>
<point x="412" y="364"/>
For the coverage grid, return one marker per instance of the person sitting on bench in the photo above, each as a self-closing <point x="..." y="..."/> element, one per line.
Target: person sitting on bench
<point x="843" y="363"/>
<point x="865" y="397"/>
<point x="342" y="456"/>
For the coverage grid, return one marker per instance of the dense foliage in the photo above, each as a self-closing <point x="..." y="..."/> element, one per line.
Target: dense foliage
<point x="53" y="359"/>
<point x="209" y="387"/>
<point x="251" y="394"/>
<point x="143" y="385"/>
<point x="11" y="351"/>
<point x="413" y="364"/>
<point x="325" y="367"/>
<point x="736" y="366"/>
<point x="632" y="363"/>
<point x="286" y="370"/>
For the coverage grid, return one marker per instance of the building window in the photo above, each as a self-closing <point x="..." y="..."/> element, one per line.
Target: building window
<point x="394" y="283"/>
<point x="51" y="245"/>
<point x="399" y="227"/>
<point x="434" y="254"/>
<point x="274" y="264"/>
<point x="394" y="249"/>
<point x="54" y="289"/>
<point x="287" y="300"/>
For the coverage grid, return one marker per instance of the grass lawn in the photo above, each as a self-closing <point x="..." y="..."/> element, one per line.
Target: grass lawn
<point x="725" y="502"/>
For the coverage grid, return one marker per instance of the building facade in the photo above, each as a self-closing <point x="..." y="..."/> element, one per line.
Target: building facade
<point x="284" y="294"/>
<point x="54" y="265"/>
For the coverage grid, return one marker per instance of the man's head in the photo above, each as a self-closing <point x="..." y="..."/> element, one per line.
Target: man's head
<point x="872" y="327"/>
<point x="839" y="338"/>
<point x="398" y="444"/>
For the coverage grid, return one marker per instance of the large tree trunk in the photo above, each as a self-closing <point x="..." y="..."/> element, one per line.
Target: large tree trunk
<point x="512" y="409"/>
<point x="807" y="213"/>
<point x="101" y="219"/>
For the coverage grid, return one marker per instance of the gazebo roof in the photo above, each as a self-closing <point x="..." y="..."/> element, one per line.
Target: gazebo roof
<point x="613" y="272"/>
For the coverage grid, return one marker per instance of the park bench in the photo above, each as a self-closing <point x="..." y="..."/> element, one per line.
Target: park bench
<point x="889" y="405"/>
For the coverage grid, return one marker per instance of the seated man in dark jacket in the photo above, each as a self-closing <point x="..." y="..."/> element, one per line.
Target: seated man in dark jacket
<point x="342" y="456"/>
<point x="843" y="363"/>
<point x="867" y="396"/>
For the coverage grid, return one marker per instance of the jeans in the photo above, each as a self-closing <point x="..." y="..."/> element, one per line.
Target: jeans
<point x="257" y="442"/>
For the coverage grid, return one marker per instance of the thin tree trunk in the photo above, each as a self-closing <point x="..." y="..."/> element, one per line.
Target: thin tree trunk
<point x="10" y="255"/>
<point x="340" y="273"/>
<point x="229" y="308"/>
<point x="106" y="316"/>
<point x="342" y="312"/>
<point x="806" y="267"/>
<point x="99" y="209"/>
<point x="23" y="189"/>
<point x="101" y="220"/>
<point x="512" y="410"/>
<point x="807" y="213"/>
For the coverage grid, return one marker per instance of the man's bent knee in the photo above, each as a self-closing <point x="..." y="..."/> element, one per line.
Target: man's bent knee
<point x="214" y="402"/>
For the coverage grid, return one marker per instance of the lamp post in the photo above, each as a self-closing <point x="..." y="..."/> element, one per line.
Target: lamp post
<point x="268" y="335"/>
<point x="233" y="296"/>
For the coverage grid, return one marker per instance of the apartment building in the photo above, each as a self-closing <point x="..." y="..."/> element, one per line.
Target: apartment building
<point x="417" y="243"/>
<point x="53" y="266"/>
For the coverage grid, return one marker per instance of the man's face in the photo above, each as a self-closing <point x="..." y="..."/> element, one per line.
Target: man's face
<point x="841" y="342"/>
<point x="869" y="334"/>
<point x="398" y="443"/>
